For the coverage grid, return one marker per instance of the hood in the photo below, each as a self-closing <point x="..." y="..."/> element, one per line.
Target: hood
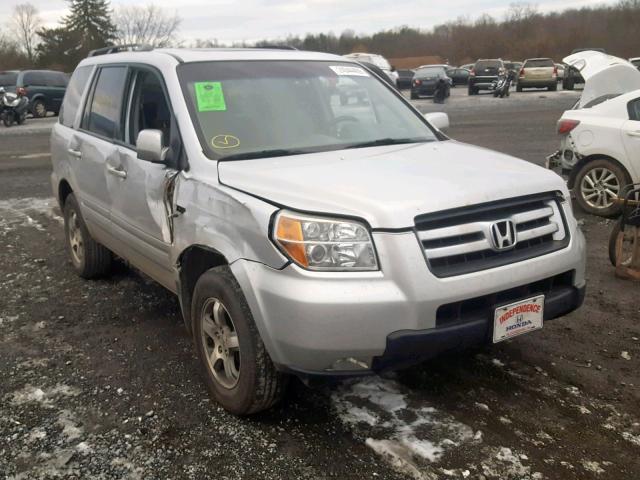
<point x="389" y="186"/>
<point x="603" y="75"/>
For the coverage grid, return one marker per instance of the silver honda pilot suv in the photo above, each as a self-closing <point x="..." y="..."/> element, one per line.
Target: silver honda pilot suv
<point x="304" y="233"/>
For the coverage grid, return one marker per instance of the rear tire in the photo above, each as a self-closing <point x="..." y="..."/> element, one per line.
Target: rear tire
<point x="39" y="109"/>
<point x="595" y="184"/>
<point x="89" y="258"/>
<point x="568" y="85"/>
<point x="238" y="370"/>
<point x="518" y="88"/>
<point x="553" y="88"/>
<point x="414" y="96"/>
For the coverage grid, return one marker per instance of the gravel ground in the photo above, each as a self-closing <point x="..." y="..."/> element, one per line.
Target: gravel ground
<point x="99" y="379"/>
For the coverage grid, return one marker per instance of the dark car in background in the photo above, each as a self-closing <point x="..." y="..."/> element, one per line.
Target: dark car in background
<point x="44" y="88"/>
<point x="571" y="75"/>
<point x="425" y="80"/>
<point x="405" y="77"/>
<point x="459" y="76"/>
<point x="483" y="74"/>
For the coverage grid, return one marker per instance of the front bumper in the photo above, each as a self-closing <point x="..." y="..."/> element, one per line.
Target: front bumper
<point x="348" y="323"/>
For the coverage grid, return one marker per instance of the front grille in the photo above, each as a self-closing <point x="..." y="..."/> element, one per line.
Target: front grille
<point x="461" y="240"/>
<point x="483" y="307"/>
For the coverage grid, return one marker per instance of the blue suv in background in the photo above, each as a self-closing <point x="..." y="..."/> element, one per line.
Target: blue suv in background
<point x="44" y="88"/>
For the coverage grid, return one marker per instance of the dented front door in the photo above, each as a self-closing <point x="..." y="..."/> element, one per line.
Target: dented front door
<point x="140" y="212"/>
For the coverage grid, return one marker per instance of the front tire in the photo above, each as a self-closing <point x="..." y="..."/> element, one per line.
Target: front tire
<point x="238" y="370"/>
<point x="89" y="258"/>
<point x="596" y="185"/>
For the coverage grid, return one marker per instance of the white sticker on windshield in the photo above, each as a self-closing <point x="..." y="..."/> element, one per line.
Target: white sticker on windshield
<point x="349" y="70"/>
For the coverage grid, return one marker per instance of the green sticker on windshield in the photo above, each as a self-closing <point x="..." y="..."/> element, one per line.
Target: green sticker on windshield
<point x="210" y="97"/>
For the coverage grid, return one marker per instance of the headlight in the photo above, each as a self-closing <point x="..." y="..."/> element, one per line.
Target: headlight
<point x="318" y="243"/>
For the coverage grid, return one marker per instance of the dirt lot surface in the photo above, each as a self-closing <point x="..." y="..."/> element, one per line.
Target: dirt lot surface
<point x="99" y="378"/>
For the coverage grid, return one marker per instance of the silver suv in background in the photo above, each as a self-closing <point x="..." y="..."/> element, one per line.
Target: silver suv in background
<point x="304" y="235"/>
<point x="377" y="60"/>
<point x="538" y="73"/>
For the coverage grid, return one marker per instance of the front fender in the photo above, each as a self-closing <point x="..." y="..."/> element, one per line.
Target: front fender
<point x="232" y="223"/>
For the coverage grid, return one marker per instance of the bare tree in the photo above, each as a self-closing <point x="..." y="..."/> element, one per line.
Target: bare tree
<point x="25" y="22"/>
<point x="150" y="25"/>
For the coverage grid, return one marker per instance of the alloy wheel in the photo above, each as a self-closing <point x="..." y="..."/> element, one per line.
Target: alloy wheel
<point x="220" y="342"/>
<point x="599" y="187"/>
<point x="76" y="240"/>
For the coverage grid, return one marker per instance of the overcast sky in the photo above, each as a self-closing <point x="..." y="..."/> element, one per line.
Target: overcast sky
<point x="250" y="20"/>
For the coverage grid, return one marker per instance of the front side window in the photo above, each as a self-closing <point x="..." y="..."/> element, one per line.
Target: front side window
<point x="104" y="112"/>
<point x="73" y="95"/>
<point x="149" y="107"/>
<point x="252" y="109"/>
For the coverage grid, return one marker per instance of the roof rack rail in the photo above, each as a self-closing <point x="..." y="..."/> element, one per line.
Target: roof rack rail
<point x="130" y="47"/>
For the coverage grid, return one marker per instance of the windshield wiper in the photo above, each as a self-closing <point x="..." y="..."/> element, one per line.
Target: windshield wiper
<point x="280" y="152"/>
<point x="387" y="141"/>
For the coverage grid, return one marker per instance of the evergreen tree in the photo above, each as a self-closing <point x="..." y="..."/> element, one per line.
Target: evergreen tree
<point x="90" y="21"/>
<point x="87" y="27"/>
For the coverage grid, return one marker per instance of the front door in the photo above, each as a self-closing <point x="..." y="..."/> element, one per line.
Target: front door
<point x="141" y="196"/>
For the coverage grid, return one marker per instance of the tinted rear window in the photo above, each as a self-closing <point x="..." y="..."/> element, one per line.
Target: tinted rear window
<point x="488" y="64"/>
<point x="542" y="62"/>
<point x="429" y="71"/>
<point x="8" y="79"/>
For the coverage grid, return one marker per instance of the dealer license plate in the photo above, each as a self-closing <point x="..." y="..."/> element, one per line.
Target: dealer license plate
<point x="518" y="318"/>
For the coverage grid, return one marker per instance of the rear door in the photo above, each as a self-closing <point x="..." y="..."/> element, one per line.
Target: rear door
<point x="631" y="139"/>
<point x="140" y="198"/>
<point x="93" y="147"/>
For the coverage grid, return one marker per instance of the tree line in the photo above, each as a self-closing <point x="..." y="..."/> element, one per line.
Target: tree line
<point x="523" y="32"/>
<point x="90" y="24"/>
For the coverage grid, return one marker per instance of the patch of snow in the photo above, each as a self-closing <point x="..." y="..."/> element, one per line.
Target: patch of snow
<point x="31" y="394"/>
<point x="497" y="363"/>
<point x="593" y="467"/>
<point x="69" y="427"/>
<point x="408" y="437"/>
<point x="506" y="464"/>
<point x="17" y="212"/>
<point x="635" y="439"/>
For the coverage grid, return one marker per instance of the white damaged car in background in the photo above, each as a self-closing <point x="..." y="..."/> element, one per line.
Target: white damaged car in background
<point x="600" y="136"/>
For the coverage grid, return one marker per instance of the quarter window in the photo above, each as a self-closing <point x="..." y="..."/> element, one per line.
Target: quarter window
<point x="634" y="109"/>
<point x="103" y="115"/>
<point x="73" y="95"/>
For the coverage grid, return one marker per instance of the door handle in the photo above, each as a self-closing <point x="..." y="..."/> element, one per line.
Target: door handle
<point x="74" y="153"/>
<point x="634" y="134"/>
<point x="117" y="172"/>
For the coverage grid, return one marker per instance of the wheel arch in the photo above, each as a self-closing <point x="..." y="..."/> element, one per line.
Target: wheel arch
<point x="64" y="190"/>
<point x="192" y="263"/>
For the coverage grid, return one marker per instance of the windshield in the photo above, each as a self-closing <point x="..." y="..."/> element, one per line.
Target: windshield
<point x="254" y="109"/>
<point x="429" y="71"/>
<point x="8" y="79"/>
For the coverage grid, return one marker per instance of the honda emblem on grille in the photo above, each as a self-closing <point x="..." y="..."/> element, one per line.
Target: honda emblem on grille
<point x="503" y="235"/>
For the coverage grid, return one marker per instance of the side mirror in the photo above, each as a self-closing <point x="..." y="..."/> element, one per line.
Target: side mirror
<point x="439" y="120"/>
<point x="149" y="146"/>
<point x="393" y="69"/>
